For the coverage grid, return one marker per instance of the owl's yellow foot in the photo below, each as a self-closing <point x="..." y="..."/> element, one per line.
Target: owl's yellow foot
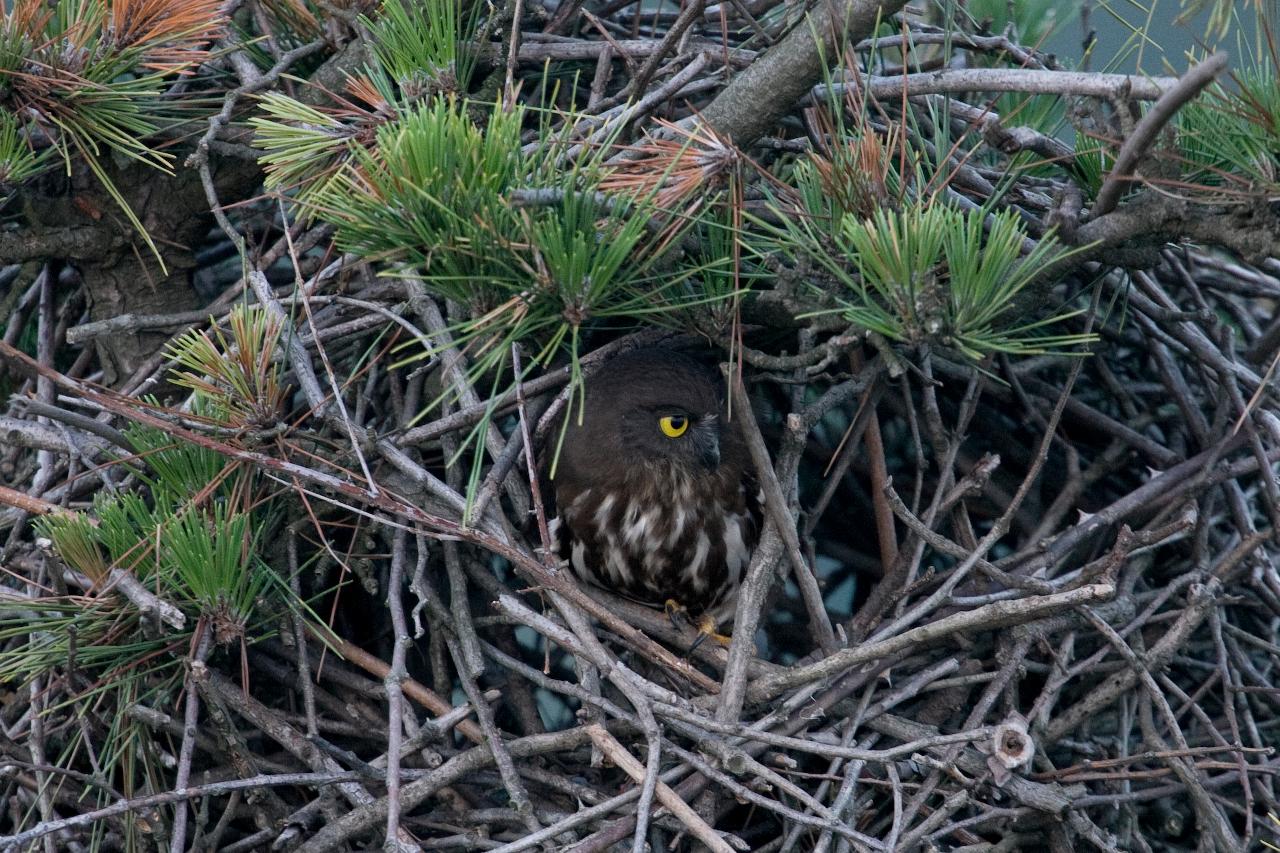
<point x="707" y="631"/>
<point x="677" y="613"/>
<point x="705" y="626"/>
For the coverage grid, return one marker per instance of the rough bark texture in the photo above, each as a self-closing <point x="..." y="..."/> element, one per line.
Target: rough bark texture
<point x="761" y="94"/>
<point x="120" y="272"/>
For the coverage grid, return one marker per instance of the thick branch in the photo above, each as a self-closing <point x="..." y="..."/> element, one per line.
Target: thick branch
<point x="772" y="85"/>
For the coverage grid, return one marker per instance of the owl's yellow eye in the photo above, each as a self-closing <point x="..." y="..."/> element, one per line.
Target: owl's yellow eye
<point x="673" y="426"/>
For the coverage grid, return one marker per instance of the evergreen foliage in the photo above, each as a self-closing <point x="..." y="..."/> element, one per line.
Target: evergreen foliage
<point x="1006" y="365"/>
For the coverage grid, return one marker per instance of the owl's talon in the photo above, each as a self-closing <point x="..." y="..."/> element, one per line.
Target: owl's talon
<point x="705" y="626"/>
<point x="677" y="613"/>
<point x="707" y="631"/>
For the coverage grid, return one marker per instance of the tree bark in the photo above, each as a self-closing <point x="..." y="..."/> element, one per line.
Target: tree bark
<point x="120" y="272"/>
<point x="769" y="88"/>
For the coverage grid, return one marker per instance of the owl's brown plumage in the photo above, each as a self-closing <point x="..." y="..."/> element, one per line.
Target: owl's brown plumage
<point x="657" y="499"/>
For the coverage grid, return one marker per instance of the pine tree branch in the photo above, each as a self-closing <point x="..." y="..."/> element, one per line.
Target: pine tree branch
<point x="772" y="85"/>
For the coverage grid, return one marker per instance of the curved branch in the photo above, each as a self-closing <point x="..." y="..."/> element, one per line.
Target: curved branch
<point x="1145" y="132"/>
<point x="1148" y="221"/>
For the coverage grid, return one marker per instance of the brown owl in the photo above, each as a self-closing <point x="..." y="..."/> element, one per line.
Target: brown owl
<point x="657" y="499"/>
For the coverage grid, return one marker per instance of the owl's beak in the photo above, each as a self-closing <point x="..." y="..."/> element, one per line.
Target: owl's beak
<point x="708" y="444"/>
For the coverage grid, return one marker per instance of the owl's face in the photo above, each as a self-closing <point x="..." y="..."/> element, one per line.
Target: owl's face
<point x="683" y="433"/>
<point x="647" y="408"/>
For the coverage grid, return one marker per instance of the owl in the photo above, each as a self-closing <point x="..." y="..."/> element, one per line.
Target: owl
<point x="656" y="494"/>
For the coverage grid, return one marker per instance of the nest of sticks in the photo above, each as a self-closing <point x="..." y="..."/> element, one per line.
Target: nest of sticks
<point x="1025" y="603"/>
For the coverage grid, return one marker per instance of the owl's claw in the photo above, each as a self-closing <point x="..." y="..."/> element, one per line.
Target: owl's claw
<point x="677" y="613"/>
<point x="707" y="630"/>
<point x="705" y="626"/>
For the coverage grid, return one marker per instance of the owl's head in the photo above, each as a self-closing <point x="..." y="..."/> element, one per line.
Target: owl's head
<point x="650" y="406"/>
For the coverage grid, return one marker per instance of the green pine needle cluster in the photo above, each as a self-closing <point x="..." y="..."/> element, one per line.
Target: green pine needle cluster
<point x="425" y="47"/>
<point x="934" y="274"/>
<point x="303" y="145"/>
<point x="213" y="556"/>
<point x="17" y="160"/>
<point x="184" y="543"/>
<point x="426" y="190"/>
<point x="1231" y="136"/>
<point x="190" y="536"/>
<point x="438" y="195"/>
<point x="175" y="470"/>
<point x="868" y="214"/>
<point x="88" y="78"/>
<point x="420" y="52"/>
<point x="236" y="378"/>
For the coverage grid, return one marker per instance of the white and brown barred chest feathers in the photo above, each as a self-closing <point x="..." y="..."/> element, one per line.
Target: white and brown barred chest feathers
<point x="663" y="535"/>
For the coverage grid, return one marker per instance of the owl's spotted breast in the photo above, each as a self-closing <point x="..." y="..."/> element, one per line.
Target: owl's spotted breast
<point x="656" y="498"/>
<point x="691" y="545"/>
